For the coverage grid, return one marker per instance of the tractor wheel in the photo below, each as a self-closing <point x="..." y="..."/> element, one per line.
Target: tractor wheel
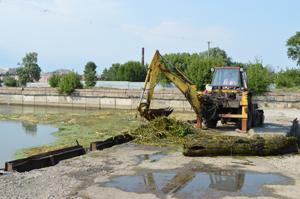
<point x="259" y="118"/>
<point x="250" y="120"/>
<point x="211" y="123"/>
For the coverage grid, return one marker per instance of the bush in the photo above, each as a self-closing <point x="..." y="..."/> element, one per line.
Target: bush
<point x="9" y="81"/>
<point x="259" y="77"/>
<point x="69" y="83"/>
<point x="54" y="80"/>
<point x="288" y="78"/>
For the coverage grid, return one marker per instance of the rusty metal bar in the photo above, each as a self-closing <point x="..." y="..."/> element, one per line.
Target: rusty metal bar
<point x="116" y="140"/>
<point x="44" y="159"/>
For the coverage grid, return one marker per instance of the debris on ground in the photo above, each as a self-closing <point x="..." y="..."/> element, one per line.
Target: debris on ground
<point x="165" y="131"/>
<point x="255" y="145"/>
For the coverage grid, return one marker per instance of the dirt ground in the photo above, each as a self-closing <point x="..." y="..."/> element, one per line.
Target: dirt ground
<point x="135" y="171"/>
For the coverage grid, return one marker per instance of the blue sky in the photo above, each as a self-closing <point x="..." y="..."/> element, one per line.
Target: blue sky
<point x="68" y="33"/>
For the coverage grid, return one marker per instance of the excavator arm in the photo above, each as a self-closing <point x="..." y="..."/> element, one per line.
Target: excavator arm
<point x="189" y="90"/>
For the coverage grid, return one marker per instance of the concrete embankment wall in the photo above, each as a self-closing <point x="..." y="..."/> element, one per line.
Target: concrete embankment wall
<point x="122" y="98"/>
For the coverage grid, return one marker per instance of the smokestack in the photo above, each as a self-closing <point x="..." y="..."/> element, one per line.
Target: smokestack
<point x="143" y="56"/>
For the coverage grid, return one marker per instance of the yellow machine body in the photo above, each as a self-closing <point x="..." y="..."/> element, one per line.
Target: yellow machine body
<point x="231" y="103"/>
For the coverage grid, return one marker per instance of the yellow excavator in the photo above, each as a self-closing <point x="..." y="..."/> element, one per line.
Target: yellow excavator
<point x="226" y="99"/>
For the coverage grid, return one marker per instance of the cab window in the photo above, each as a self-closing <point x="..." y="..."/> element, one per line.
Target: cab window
<point x="226" y="77"/>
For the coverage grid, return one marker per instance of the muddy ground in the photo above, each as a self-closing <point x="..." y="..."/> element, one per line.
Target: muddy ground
<point x="136" y="171"/>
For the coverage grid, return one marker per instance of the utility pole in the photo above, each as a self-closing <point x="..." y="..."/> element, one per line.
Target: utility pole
<point x="143" y="56"/>
<point x="208" y="47"/>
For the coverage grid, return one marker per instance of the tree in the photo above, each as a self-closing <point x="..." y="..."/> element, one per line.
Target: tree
<point x="9" y="81"/>
<point x="23" y="76"/>
<point x="69" y="83"/>
<point x="259" y="77"/>
<point x="293" y="44"/>
<point x="199" y="71"/>
<point x="218" y="53"/>
<point x="111" y="73"/>
<point x="132" y="71"/>
<point x="175" y="60"/>
<point x="54" y="80"/>
<point x="196" y="66"/>
<point x="29" y="70"/>
<point x="90" y="77"/>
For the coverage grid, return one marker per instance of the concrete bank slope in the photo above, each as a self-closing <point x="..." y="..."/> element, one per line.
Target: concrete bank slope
<point x="135" y="171"/>
<point x="123" y="98"/>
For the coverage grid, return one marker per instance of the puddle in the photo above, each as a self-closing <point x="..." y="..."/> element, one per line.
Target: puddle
<point x="196" y="184"/>
<point x="150" y="157"/>
<point x="273" y="126"/>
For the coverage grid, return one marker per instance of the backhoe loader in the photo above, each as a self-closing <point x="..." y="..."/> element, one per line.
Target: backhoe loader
<point x="226" y="99"/>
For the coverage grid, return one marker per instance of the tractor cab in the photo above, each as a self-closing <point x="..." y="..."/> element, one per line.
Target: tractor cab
<point x="232" y="78"/>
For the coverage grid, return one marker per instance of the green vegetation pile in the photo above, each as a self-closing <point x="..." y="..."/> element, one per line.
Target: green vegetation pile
<point x="162" y="131"/>
<point x="165" y="131"/>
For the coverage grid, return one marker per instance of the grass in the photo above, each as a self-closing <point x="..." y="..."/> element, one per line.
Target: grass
<point x="82" y="126"/>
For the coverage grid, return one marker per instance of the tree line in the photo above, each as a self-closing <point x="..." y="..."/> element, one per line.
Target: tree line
<point x="132" y="71"/>
<point x="29" y="71"/>
<point x="196" y="66"/>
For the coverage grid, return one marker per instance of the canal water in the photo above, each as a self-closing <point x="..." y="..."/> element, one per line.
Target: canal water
<point x="16" y="135"/>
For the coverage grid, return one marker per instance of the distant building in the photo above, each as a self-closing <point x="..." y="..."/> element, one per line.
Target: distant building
<point x="10" y="71"/>
<point x="43" y="81"/>
<point x="45" y="76"/>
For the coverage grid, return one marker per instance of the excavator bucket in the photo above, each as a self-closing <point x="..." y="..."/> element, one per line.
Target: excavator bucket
<point x="151" y="114"/>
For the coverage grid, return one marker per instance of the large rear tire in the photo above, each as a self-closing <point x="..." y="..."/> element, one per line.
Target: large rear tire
<point x="211" y="123"/>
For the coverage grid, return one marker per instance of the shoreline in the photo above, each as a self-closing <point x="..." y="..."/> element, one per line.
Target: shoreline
<point x="86" y="176"/>
<point x="89" y="126"/>
<point x="84" y="127"/>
